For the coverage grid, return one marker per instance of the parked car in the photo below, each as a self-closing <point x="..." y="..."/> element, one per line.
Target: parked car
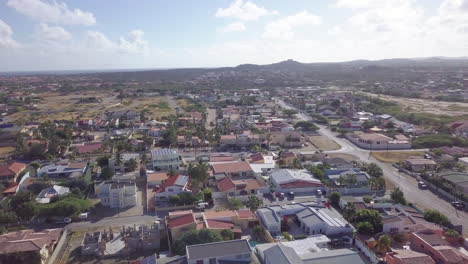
<point x="458" y="205"/>
<point x="422" y="185"/>
<point x="83" y="216"/>
<point x="202" y="205"/>
<point x="291" y="194"/>
<point x="66" y="220"/>
<point x="319" y="192"/>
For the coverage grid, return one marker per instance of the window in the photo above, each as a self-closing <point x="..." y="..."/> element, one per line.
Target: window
<point x="200" y="261"/>
<point x="238" y="256"/>
<point x="212" y="260"/>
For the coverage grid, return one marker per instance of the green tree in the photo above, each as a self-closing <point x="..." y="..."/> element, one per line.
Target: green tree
<point x="253" y="203"/>
<point x="235" y="204"/>
<point x="383" y="244"/>
<point x="131" y="165"/>
<point x="35" y="165"/>
<point x="258" y="232"/>
<point x="289" y="112"/>
<point x="349" y="211"/>
<point x="227" y="234"/>
<point x="367" y="199"/>
<point x="335" y="199"/>
<point x="118" y="158"/>
<point x="102" y="161"/>
<point x="198" y="174"/>
<point x="398" y="196"/>
<point x="287" y="236"/>
<point x="106" y="173"/>
<point x="317" y="172"/>
<point x="373" y="169"/>
<point x="451" y="233"/>
<point x="436" y="217"/>
<point x="371" y="216"/>
<point x="365" y="228"/>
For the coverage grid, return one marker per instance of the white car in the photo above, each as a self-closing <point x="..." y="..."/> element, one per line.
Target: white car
<point x="202" y="205"/>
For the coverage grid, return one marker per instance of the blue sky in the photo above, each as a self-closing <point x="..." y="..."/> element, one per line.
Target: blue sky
<point x="122" y="34"/>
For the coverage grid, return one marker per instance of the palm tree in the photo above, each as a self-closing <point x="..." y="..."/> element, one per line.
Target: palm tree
<point x="118" y="158"/>
<point x="351" y="180"/>
<point x="131" y="165"/>
<point x="341" y="181"/>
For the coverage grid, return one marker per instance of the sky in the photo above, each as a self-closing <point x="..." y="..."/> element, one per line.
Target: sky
<point x="141" y="34"/>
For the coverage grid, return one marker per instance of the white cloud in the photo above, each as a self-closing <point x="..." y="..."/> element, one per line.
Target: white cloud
<point x="6" y="36"/>
<point x="52" y="12"/>
<point x="134" y="42"/>
<point x="335" y="31"/>
<point x="97" y="41"/>
<point x="284" y="28"/>
<point x="385" y="16"/>
<point x="233" y="27"/>
<point x="52" y="34"/>
<point x="358" y="3"/>
<point x="243" y="10"/>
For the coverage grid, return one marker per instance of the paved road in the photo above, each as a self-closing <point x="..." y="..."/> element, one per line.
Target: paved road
<point x="423" y="199"/>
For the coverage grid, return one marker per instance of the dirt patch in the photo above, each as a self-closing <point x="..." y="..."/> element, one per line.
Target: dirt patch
<point x="56" y="106"/>
<point x="348" y="157"/>
<point x="425" y="105"/>
<point x="323" y="143"/>
<point x="5" y="151"/>
<point x="396" y="156"/>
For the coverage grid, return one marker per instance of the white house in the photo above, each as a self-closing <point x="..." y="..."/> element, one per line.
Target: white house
<point x="116" y="194"/>
<point x="286" y="180"/>
<point x="54" y="191"/>
<point x="233" y="251"/>
<point x="314" y="219"/>
<point x="165" y="159"/>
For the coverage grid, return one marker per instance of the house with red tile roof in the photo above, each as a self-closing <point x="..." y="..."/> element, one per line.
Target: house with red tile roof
<point x="232" y="169"/>
<point x="18" y="244"/>
<point x="240" y="188"/>
<point x="236" y="221"/>
<point x="433" y="244"/>
<point x="407" y="257"/>
<point x="9" y="172"/>
<point x="156" y="178"/>
<point x="90" y="148"/>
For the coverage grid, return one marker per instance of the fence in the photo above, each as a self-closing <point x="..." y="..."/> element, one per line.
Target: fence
<point x="59" y="248"/>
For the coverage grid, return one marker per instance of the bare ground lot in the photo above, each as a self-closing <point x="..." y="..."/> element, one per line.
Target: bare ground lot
<point x="56" y="106"/>
<point x="426" y="105"/>
<point x="323" y="143"/>
<point x="396" y="156"/>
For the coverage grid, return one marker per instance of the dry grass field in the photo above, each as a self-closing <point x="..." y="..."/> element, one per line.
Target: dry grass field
<point x="426" y="105"/>
<point x="396" y="156"/>
<point x="323" y="143"/>
<point x="56" y="106"/>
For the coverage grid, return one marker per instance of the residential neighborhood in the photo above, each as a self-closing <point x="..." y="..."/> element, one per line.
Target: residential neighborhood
<point x="363" y="161"/>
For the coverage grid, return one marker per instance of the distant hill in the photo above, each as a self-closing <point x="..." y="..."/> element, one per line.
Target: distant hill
<point x="288" y="66"/>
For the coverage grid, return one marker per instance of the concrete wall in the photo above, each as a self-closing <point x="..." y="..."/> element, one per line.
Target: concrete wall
<point x="366" y="251"/>
<point x="58" y="248"/>
<point x="377" y="146"/>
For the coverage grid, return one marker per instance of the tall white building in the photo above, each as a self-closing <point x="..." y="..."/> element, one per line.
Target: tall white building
<point x="165" y="159"/>
<point x="117" y="194"/>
